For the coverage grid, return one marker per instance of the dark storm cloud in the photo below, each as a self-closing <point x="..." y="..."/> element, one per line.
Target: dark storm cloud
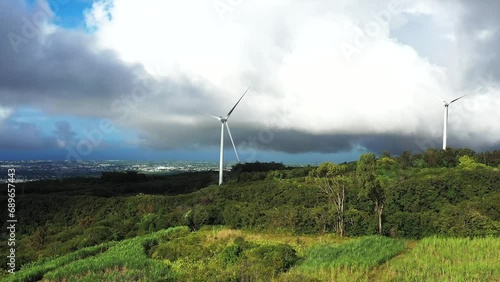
<point x="397" y="144"/>
<point x="16" y="135"/>
<point x="64" y="132"/>
<point x="24" y="136"/>
<point x="64" y="71"/>
<point x="248" y="137"/>
<point x="292" y="141"/>
<point x="477" y="17"/>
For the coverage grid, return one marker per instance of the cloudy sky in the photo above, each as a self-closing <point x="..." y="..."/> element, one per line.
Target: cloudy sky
<point x="123" y="79"/>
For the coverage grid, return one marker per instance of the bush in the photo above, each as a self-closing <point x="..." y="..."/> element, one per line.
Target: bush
<point x="257" y="166"/>
<point x="278" y="258"/>
<point x="231" y="254"/>
<point x="99" y="234"/>
<point x="188" y="246"/>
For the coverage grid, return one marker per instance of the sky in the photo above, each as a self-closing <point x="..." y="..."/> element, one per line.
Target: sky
<point x="329" y="80"/>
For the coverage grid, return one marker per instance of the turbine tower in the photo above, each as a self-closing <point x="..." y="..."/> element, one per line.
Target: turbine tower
<point x="445" y="130"/>
<point x="224" y="123"/>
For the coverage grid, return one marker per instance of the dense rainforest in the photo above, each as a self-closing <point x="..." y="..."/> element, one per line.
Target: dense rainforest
<point x="452" y="193"/>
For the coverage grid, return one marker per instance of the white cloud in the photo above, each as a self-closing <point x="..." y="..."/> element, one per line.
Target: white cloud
<point x="99" y="14"/>
<point x="290" y="52"/>
<point x="5" y="113"/>
<point x="486" y="34"/>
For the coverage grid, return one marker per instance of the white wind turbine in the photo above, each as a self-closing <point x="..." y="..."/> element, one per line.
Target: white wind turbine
<point x="223" y="121"/>
<point x="446" y="105"/>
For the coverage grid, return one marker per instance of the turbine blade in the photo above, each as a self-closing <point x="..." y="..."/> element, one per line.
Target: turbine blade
<point x="457" y="99"/>
<point x="231" y="137"/>
<point x="218" y="118"/>
<point x="231" y="111"/>
<point x="470" y="92"/>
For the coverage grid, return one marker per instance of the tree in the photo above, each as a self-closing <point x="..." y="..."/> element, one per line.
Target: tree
<point x="468" y="163"/>
<point x="38" y="238"/>
<point x="333" y="182"/>
<point x="405" y="160"/>
<point x="370" y="186"/>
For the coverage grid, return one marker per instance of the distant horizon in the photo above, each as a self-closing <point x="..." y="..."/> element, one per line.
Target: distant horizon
<point x="216" y="162"/>
<point x="347" y="157"/>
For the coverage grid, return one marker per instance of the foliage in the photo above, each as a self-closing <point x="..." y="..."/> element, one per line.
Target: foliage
<point x="452" y="193"/>
<point x="257" y="166"/>
<point x="221" y="254"/>
<point x="275" y="258"/>
<point x="36" y="270"/>
<point x="125" y="260"/>
<point x="370" y="186"/>
<point x="469" y="163"/>
<point x="333" y="182"/>
<point x="128" y="176"/>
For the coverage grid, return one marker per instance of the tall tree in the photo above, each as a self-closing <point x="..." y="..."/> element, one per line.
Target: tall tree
<point x="405" y="160"/>
<point x="333" y="181"/>
<point x="370" y="186"/>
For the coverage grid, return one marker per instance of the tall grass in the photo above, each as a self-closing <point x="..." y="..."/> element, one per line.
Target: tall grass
<point x="363" y="252"/>
<point x="221" y="254"/>
<point x="351" y="261"/>
<point x="35" y="271"/>
<point x="449" y="259"/>
<point x="115" y="261"/>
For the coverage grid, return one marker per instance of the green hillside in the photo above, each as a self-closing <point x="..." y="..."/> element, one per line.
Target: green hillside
<point x="221" y="254"/>
<point x="269" y="222"/>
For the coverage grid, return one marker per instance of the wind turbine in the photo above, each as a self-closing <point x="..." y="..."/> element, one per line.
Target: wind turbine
<point x="223" y="121"/>
<point x="446" y="105"/>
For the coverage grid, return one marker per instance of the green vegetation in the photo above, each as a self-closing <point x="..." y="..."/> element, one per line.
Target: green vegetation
<point x="125" y="260"/>
<point x="363" y="252"/>
<point x="449" y="259"/>
<point x="349" y="261"/>
<point x="36" y="271"/>
<point x="280" y="223"/>
<point x="222" y="254"/>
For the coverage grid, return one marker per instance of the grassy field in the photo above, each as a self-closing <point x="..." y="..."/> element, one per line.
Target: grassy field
<point x="350" y="261"/>
<point x="449" y="259"/>
<point x="221" y="254"/>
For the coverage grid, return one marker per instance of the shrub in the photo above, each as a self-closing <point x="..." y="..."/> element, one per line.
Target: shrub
<point x="279" y="258"/>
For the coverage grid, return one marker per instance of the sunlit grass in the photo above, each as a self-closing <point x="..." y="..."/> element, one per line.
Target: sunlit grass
<point x="36" y="270"/>
<point x="299" y="242"/>
<point x="449" y="259"/>
<point x="125" y="261"/>
<point x="222" y="254"/>
<point x="350" y="261"/>
<point x="364" y="252"/>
